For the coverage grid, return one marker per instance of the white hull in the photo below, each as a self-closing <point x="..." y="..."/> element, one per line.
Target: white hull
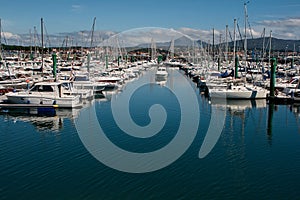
<point x="26" y="98"/>
<point x="161" y="73"/>
<point x="239" y="93"/>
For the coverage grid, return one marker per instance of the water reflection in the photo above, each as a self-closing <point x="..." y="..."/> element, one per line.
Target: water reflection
<point x="242" y="110"/>
<point x="295" y="108"/>
<point x="46" y="119"/>
<point x="271" y="108"/>
<point x="50" y="119"/>
<point x="238" y="107"/>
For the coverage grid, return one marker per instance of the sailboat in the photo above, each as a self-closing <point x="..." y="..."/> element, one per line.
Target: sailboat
<point x="237" y="89"/>
<point x="239" y="92"/>
<point x="171" y="62"/>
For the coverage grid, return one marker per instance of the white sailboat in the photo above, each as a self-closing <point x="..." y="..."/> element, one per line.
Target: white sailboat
<point x="239" y="92"/>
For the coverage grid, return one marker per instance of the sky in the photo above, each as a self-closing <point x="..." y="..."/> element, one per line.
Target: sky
<point x="196" y="17"/>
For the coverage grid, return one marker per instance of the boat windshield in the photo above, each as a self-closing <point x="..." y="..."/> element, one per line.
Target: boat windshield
<point x="42" y="88"/>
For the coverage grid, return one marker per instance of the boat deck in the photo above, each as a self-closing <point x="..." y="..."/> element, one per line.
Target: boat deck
<point x="7" y="105"/>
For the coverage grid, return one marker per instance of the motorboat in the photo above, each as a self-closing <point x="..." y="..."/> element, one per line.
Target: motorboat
<point x="46" y="93"/>
<point x="161" y="73"/>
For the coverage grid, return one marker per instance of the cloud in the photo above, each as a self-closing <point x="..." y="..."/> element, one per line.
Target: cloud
<point x="9" y="36"/>
<point x="281" y="23"/>
<point x="134" y="37"/>
<point x="285" y="28"/>
<point x="76" y="8"/>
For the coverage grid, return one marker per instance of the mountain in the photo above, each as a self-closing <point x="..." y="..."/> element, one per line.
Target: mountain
<point x="180" y="42"/>
<point x="277" y="44"/>
<point x="83" y="38"/>
<point x="76" y="38"/>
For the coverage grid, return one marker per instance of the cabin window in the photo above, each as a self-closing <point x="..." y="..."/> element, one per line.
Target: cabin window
<point x="45" y="88"/>
<point x="42" y="88"/>
<point x="81" y="78"/>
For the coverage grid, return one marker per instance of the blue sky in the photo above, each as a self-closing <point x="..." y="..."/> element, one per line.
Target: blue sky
<point x="19" y="16"/>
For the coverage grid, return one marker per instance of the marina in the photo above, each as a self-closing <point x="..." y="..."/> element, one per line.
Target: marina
<point x="206" y="108"/>
<point x="42" y="152"/>
<point x="42" y="145"/>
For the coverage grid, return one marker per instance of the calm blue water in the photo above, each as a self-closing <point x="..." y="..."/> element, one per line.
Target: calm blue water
<point x="256" y="157"/>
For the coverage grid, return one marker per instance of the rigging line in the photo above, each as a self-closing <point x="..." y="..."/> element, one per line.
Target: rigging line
<point x="47" y="35"/>
<point x="3" y="35"/>
<point x="37" y="36"/>
<point x="230" y="36"/>
<point x="250" y="29"/>
<point x="241" y="37"/>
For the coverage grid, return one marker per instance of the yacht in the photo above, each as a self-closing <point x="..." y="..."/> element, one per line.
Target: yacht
<point x="46" y="93"/>
<point x="161" y="73"/>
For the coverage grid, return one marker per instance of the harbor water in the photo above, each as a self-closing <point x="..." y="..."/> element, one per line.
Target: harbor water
<point x="256" y="155"/>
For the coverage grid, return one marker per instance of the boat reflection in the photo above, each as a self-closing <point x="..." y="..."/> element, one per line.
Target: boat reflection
<point x="239" y="112"/>
<point x="237" y="106"/>
<point x="43" y="118"/>
<point x="295" y="108"/>
<point x="161" y="82"/>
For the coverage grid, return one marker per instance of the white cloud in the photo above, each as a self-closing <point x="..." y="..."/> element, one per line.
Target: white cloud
<point x="76" y="8"/>
<point x="8" y="36"/>
<point x="144" y="35"/>
<point x="281" y="23"/>
<point x="286" y="28"/>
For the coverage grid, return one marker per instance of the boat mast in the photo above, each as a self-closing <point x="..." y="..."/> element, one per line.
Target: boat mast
<point x="0" y="41"/>
<point x="34" y="41"/>
<point x="234" y="40"/>
<point x="219" y="56"/>
<point x="293" y="56"/>
<point x="270" y="47"/>
<point x="172" y="49"/>
<point x="213" y="45"/>
<point x="153" y="49"/>
<point x="246" y="19"/>
<point x="0" y="35"/>
<point x="226" y="41"/>
<point x="91" y="45"/>
<point x="93" y="28"/>
<point x="263" y="47"/>
<point x="30" y="44"/>
<point x="42" y="35"/>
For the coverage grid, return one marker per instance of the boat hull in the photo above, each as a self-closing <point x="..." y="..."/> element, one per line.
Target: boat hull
<point x="238" y="94"/>
<point x="26" y="98"/>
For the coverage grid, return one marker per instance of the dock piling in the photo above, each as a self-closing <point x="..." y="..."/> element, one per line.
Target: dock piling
<point x="273" y="77"/>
